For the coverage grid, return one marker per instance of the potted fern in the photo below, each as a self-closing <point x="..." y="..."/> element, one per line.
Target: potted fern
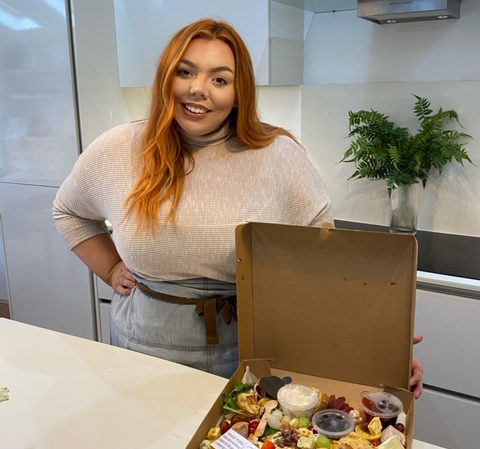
<point x="382" y="150"/>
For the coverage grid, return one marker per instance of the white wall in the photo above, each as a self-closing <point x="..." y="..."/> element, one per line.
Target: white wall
<point x="342" y="48"/>
<point x="281" y="106"/>
<point x="353" y="64"/>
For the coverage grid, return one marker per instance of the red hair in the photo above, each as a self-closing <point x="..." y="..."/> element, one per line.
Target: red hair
<point x="164" y="158"/>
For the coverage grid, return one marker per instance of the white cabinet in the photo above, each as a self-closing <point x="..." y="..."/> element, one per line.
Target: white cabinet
<point x="450" y="349"/>
<point x="273" y="33"/>
<point x="286" y="25"/>
<point x="448" y="413"/>
<point x="48" y="285"/>
<point x="447" y="421"/>
<point x="38" y="140"/>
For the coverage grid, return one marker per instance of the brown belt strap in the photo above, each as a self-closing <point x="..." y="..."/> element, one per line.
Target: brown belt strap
<point x="163" y="296"/>
<point x="206" y="307"/>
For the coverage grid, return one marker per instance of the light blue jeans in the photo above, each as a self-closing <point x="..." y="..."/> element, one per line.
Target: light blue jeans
<point x="174" y="331"/>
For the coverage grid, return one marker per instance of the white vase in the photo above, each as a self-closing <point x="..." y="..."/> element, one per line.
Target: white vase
<point x="404" y="205"/>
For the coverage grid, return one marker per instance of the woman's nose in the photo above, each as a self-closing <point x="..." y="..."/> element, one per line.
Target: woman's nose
<point x="198" y="88"/>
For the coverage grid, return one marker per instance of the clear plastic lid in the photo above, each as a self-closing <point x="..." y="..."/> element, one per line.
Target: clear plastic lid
<point x="381" y="404"/>
<point x="333" y="423"/>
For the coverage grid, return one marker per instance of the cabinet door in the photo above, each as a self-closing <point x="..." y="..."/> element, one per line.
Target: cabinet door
<point x="48" y="285"/>
<point x="450" y="350"/>
<point x="286" y="45"/>
<point x="38" y="136"/>
<point x="143" y="29"/>
<point x="447" y="421"/>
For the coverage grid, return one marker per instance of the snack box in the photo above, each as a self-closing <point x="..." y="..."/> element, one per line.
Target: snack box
<point x="331" y="308"/>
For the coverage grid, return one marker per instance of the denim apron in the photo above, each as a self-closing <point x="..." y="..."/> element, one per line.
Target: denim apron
<point x="175" y="332"/>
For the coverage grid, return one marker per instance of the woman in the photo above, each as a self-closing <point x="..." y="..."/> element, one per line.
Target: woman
<point x="174" y="187"/>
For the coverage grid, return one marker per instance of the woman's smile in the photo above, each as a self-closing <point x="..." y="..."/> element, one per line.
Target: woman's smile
<point x="195" y="109"/>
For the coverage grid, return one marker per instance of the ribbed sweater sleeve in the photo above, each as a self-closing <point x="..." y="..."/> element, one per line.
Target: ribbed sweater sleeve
<point x="79" y="209"/>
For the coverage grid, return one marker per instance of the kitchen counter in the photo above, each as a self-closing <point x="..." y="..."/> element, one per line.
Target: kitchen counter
<point x="468" y="288"/>
<point x="68" y="392"/>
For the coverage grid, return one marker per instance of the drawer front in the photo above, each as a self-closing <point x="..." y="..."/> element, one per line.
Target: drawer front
<point x="450" y="349"/>
<point x="447" y="421"/>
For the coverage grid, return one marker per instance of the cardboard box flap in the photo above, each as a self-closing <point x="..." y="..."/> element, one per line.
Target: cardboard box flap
<point x="327" y="302"/>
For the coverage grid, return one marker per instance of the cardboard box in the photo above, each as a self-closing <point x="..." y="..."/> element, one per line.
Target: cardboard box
<point x="332" y="308"/>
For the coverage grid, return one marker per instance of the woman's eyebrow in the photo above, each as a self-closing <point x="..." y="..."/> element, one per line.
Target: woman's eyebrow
<point x="213" y="70"/>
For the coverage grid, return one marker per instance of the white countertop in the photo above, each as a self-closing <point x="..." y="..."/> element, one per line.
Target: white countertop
<point x="69" y="393"/>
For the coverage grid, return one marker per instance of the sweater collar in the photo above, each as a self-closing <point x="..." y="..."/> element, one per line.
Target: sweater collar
<point x="214" y="138"/>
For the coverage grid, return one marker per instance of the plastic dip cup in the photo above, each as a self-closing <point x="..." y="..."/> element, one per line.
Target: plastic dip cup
<point x="298" y="400"/>
<point x="333" y="423"/>
<point x="379" y="403"/>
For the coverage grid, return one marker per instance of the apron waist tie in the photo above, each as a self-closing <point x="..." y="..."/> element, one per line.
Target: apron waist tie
<point x="207" y="308"/>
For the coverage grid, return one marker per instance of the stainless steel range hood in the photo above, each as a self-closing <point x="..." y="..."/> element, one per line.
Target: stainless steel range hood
<point x="392" y="11"/>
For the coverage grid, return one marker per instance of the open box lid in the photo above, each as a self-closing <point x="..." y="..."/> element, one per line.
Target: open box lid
<point x="332" y="303"/>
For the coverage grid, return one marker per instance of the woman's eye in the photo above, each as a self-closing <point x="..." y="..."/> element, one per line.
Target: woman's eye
<point x="219" y="80"/>
<point x="184" y="73"/>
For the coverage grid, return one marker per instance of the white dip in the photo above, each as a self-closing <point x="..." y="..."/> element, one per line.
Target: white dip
<point x="297" y="395"/>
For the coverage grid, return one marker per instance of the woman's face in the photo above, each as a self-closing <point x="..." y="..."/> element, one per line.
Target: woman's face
<point x="204" y="87"/>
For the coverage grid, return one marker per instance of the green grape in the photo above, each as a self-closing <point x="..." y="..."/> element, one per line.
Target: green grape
<point x="322" y="441"/>
<point x="303" y="421"/>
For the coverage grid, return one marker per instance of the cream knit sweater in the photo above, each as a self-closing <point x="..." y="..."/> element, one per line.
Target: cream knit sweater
<point x="230" y="184"/>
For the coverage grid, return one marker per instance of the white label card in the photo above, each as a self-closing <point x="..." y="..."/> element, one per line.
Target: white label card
<point x="232" y="440"/>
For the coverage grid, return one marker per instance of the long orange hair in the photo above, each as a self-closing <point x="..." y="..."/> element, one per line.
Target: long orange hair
<point x="164" y="158"/>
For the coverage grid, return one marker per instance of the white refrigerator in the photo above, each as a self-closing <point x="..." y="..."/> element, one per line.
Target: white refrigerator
<point x="43" y="282"/>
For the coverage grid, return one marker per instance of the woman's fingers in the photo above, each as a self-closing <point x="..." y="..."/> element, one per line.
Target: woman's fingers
<point x="122" y="279"/>
<point x="417" y="339"/>
<point x="416" y="380"/>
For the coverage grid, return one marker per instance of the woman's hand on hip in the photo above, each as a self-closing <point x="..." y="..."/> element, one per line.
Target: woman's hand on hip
<point x="121" y="279"/>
